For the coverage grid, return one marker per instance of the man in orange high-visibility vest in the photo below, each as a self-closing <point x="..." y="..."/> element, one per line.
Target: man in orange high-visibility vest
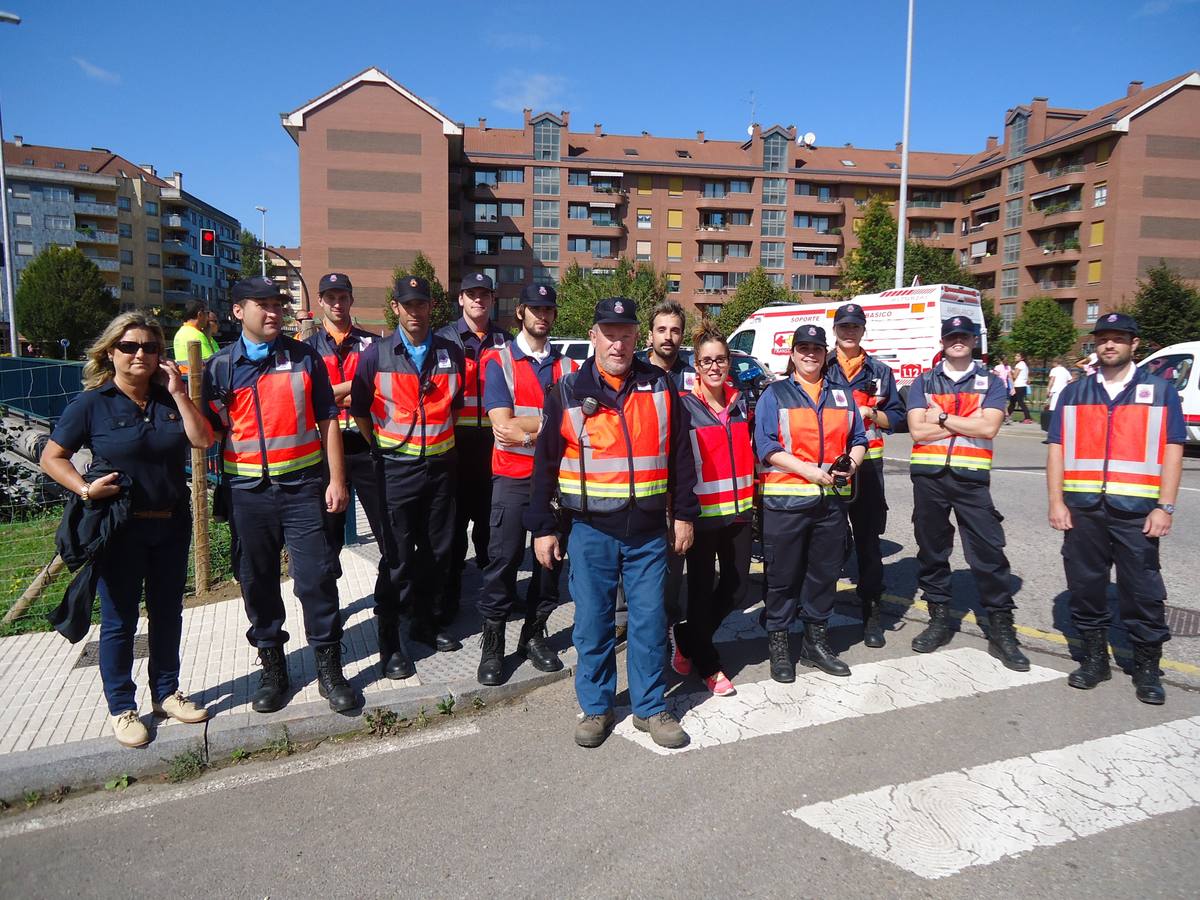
<point x="1113" y="469"/>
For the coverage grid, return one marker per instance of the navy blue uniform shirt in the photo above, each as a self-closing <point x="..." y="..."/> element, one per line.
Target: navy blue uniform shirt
<point x="495" y="388"/>
<point x="150" y="447"/>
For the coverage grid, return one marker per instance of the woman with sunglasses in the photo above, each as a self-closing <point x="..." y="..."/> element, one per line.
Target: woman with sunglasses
<point x="135" y="414"/>
<point x="718" y="421"/>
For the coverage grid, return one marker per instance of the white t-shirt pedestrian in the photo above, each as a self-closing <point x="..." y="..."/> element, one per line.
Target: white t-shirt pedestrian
<point x="1021" y="374"/>
<point x="1059" y="379"/>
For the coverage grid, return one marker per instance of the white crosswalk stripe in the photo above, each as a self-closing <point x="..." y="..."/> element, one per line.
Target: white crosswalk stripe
<point x="767" y="707"/>
<point x="941" y="825"/>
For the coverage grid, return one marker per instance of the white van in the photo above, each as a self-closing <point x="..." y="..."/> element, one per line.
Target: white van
<point x="904" y="326"/>
<point x="1177" y="365"/>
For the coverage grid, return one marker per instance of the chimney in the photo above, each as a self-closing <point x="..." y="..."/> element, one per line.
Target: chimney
<point x="1135" y="87"/>
<point x="18" y="140"/>
<point x="565" y="115"/>
<point x="993" y="142"/>
<point x="482" y="124"/>
<point x="700" y="136"/>
<point x="598" y="129"/>
<point x="177" y="180"/>
<point x="149" y="169"/>
<point x="899" y="146"/>
<point x="528" y="115"/>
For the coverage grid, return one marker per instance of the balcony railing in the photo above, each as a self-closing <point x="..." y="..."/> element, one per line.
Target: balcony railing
<point x="105" y="264"/>
<point x="605" y="223"/>
<point x="925" y="204"/>
<point x="713" y="227"/>
<point x="1054" y="209"/>
<point x="710" y="259"/>
<point x="174" y="221"/>
<point x="88" y="208"/>
<point x="91" y="236"/>
<point x="1049" y="248"/>
<point x="1062" y="170"/>
<point x="979" y="226"/>
<point x="1053" y="284"/>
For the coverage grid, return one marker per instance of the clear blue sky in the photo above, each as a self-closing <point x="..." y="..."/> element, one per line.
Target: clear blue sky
<point x="198" y="86"/>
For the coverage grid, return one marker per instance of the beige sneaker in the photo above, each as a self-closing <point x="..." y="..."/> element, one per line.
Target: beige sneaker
<point x="129" y="730"/>
<point x="181" y="708"/>
<point x="592" y="730"/>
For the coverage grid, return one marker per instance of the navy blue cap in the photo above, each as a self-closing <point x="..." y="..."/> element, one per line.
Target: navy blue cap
<point x="850" y="312"/>
<point x="616" y="311"/>
<point x="411" y="287"/>
<point x="958" y="325"/>
<point x="1117" y="322"/>
<point x="478" y="280"/>
<point x="335" y="281"/>
<point x="539" y="295"/>
<point x="258" y="288"/>
<point x="810" y="334"/>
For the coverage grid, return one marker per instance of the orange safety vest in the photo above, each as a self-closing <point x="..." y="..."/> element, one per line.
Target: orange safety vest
<point x="616" y="457"/>
<point x="967" y="457"/>
<point x="1113" y="450"/>
<point x="471" y="413"/>
<point x="724" y="459"/>
<point x="412" y="412"/>
<point x="815" y="434"/>
<point x="528" y="399"/>
<point x="341" y="370"/>
<point x="270" y="425"/>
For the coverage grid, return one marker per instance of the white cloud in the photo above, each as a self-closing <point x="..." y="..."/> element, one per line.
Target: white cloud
<point x="1158" y="7"/>
<point x="513" y="40"/>
<point x="94" y="72"/>
<point x="516" y="90"/>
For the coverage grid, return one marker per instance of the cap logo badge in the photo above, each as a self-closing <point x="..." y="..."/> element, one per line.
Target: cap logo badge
<point x="812" y="332"/>
<point x="1113" y="317"/>
<point x="412" y="282"/>
<point x="957" y="322"/>
<point x="618" y="307"/>
<point x="333" y="278"/>
<point x="542" y="291"/>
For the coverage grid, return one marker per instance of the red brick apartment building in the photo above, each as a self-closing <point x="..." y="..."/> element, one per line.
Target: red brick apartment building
<point x="1073" y="203"/>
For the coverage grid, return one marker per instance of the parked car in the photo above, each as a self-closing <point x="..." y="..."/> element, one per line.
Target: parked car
<point x="578" y="349"/>
<point x="1177" y="365"/>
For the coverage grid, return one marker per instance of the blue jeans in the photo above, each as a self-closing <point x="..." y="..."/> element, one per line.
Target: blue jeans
<point x="598" y="562"/>
<point x="147" y="555"/>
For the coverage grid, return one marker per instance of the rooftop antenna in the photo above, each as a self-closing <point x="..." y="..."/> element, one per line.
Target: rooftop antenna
<point x="753" y="114"/>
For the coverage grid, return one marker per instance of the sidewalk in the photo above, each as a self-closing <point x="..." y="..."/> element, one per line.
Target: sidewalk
<point x="54" y="723"/>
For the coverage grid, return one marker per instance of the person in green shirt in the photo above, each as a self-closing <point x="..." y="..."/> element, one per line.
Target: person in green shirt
<point x="194" y="328"/>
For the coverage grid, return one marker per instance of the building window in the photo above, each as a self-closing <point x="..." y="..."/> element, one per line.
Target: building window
<point x="155" y="286"/>
<point x="485" y="212"/>
<point x="124" y="204"/>
<point x="511" y="176"/>
<point x="513" y="209"/>
<point x="774" y="191"/>
<point x="674" y="251"/>
<point x="485" y="246"/>
<point x="127" y="257"/>
<point x="545" y="180"/>
<point x="771" y="254"/>
<point x="1018" y="135"/>
<point x="512" y="242"/>
<point x="1012" y="247"/>
<point x="675" y="186"/>
<point x="1097" y="239"/>
<point x="802" y="220"/>
<point x="812" y="283"/>
<point x="58" y="222"/>
<point x="645" y="184"/>
<point x="774" y="151"/>
<point x="714" y="189"/>
<point x="643" y="251"/>
<point x="740" y="186"/>
<point x="153" y="260"/>
<point x="485" y="178"/>
<point x="578" y="178"/>
<point x="673" y="281"/>
<point x="19" y="191"/>
<point x="772" y="222"/>
<point x="674" y="218"/>
<point x="57" y="195"/>
<point x="741" y="250"/>
<point x="545" y="274"/>
<point x="1008" y="283"/>
<point x="577" y="211"/>
<point x="1016" y="178"/>
<point x="602" y="248"/>
<point x="151" y="208"/>
<point x="576" y="245"/>
<point x="643" y="218"/>
<point x="152" y="235"/>
<point x="124" y="229"/>
<point x="545" y="213"/>
<point x="1100" y="194"/>
<point x="545" y="247"/>
<point x="1013" y="213"/>
<point x="1093" y="310"/>
<point x="1008" y="315"/>
<point x="714" y="281"/>
<point x="23" y="219"/>
<point x="24" y="248"/>
<point x="738" y="217"/>
<point x="1094" y="268"/>
<point x="126" y="283"/>
<point x="511" y="274"/>
<point x="545" y="141"/>
<point x="1103" y="151"/>
<point x="819" y="256"/>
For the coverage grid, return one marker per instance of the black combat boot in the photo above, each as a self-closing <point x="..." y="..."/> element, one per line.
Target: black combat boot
<point x="1002" y="641"/>
<point x="783" y="669"/>
<point x="491" y="661"/>
<point x="1146" y="672"/>
<point x="331" y="682"/>
<point x="872" y="629"/>
<point x="937" y="632"/>
<point x="394" y="661"/>
<point x="1094" y="667"/>
<point x="815" y="650"/>
<point x="424" y="631"/>
<point x="531" y="645"/>
<point x="273" y="684"/>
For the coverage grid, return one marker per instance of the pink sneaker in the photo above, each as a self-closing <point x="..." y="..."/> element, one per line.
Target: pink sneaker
<point x="720" y="685"/>
<point x="679" y="662"/>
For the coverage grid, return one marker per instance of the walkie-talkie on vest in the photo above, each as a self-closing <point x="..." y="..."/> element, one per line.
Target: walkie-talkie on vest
<point x="589" y="407"/>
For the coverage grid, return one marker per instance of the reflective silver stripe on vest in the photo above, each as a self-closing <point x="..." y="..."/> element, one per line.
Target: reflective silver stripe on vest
<point x="510" y="379"/>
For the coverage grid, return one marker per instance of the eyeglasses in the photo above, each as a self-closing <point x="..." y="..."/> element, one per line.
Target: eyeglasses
<point x="710" y="361"/>
<point x="130" y="348"/>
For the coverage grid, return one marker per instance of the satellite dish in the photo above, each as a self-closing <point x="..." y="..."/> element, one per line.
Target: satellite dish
<point x="810" y="138"/>
<point x="750" y="130"/>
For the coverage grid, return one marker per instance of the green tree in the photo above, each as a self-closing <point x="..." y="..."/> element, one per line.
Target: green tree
<point x="63" y="295"/>
<point x="445" y="310"/>
<point x="578" y="294"/>
<point x="1043" y="330"/>
<point x="752" y="294"/>
<point x="1167" y="309"/>
<point x="251" y="255"/>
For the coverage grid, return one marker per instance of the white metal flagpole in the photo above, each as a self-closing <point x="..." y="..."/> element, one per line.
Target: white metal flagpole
<point x="902" y="229"/>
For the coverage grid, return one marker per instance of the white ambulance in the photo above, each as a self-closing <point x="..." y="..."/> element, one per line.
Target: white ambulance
<point x="1177" y="364"/>
<point x="904" y="327"/>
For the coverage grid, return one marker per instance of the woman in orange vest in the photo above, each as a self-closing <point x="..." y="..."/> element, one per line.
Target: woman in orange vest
<point x="810" y="440"/>
<point x="718" y="423"/>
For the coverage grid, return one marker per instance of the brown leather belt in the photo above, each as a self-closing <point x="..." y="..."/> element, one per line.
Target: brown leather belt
<point x="153" y="514"/>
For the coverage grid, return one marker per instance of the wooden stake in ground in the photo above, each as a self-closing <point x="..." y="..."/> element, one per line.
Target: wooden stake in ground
<point x="43" y="580"/>
<point x="200" y="552"/>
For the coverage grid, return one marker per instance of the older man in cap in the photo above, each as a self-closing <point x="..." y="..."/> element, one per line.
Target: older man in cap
<point x="1113" y="468"/>
<point x="614" y="452"/>
<point x="954" y="412"/>
<point x="403" y="398"/>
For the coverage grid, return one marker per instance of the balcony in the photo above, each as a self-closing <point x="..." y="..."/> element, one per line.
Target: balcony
<point x="1060" y="171"/>
<point x="180" y="297"/>
<point x="104" y="264"/>
<point x="816" y="203"/>
<point x="105" y="210"/>
<point x="178" y="248"/>
<point x="712" y="227"/>
<point x="177" y="273"/>
<point x="832" y="236"/>
<point x="1063" y="250"/>
<point x="1054" y="284"/>
<point x="91" y="236"/>
<point x="175" y="221"/>
<point x="925" y="204"/>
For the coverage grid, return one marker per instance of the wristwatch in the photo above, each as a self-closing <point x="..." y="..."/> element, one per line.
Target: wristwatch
<point x="1168" y="508"/>
<point x="942" y="419"/>
<point x="86" y="491"/>
<point x="527" y="440"/>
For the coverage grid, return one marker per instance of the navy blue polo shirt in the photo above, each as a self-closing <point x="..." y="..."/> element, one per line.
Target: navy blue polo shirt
<point x="245" y="373"/>
<point x="681" y="374"/>
<point x="495" y="389"/>
<point x="150" y="447"/>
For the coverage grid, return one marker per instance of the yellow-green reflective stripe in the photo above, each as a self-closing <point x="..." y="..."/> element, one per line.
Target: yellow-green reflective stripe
<point x="875" y="453"/>
<point x="799" y="490"/>
<point x="614" y="490"/>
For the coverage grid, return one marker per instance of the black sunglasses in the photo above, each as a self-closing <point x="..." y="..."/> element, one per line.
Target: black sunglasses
<point x="150" y="348"/>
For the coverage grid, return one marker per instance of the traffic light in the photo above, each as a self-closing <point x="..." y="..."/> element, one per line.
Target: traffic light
<point x="208" y="242"/>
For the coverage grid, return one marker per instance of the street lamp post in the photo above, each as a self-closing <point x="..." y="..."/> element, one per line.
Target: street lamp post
<point x="901" y="235"/>
<point x="263" y="210"/>
<point x="5" y="232"/>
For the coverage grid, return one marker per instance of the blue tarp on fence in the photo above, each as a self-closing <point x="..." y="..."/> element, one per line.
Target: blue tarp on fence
<point x="39" y="387"/>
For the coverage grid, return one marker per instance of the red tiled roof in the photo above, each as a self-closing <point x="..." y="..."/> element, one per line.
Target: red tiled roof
<point x="98" y="162"/>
